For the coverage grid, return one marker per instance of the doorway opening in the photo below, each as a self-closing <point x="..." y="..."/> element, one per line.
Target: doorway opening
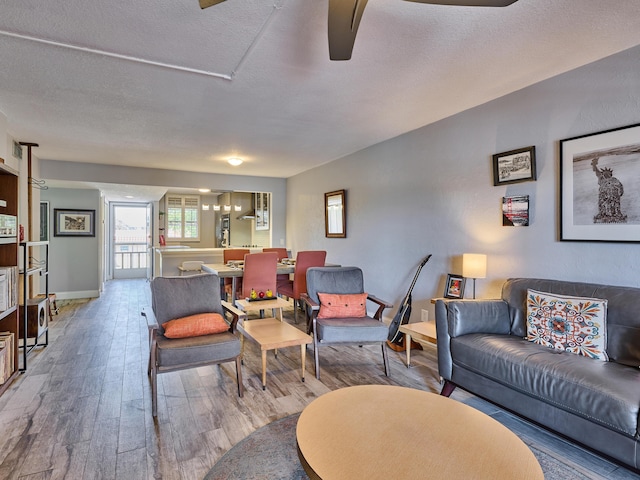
<point x="131" y="228"/>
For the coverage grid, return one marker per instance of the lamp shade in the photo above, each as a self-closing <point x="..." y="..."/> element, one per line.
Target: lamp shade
<point x="474" y="265"/>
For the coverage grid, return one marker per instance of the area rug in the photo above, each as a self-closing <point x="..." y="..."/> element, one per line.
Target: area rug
<point x="270" y="453"/>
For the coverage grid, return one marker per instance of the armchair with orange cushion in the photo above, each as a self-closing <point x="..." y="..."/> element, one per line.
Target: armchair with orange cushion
<point x="188" y="328"/>
<point x="337" y="303"/>
<point x="294" y="288"/>
<point x="229" y="254"/>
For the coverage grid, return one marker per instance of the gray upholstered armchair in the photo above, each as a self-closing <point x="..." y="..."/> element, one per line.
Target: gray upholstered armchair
<point x="349" y="330"/>
<point x="179" y="297"/>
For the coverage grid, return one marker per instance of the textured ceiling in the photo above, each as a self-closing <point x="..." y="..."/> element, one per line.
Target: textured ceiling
<point x="165" y="84"/>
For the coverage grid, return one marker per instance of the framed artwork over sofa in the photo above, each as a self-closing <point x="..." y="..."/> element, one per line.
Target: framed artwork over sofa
<point x="600" y="186"/>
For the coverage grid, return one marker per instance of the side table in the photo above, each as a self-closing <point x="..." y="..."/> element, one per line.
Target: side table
<point x="275" y="304"/>
<point x="420" y="331"/>
<point x="271" y="334"/>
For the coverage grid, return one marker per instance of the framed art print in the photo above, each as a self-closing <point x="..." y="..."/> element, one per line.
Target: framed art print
<point x="600" y="186"/>
<point x="44" y="221"/>
<point x="514" y="166"/>
<point x="515" y="211"/>
<point x="74" y="223"/>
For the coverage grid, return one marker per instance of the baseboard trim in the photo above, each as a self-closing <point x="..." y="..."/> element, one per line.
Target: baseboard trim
<point x="77" y="295"/>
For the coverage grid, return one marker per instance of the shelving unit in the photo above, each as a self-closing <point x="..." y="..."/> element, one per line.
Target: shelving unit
<point x="9" y="258"/>
<point x="35" y="317"/>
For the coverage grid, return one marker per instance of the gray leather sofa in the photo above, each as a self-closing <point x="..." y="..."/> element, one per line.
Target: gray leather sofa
<point x="482" y="349"/>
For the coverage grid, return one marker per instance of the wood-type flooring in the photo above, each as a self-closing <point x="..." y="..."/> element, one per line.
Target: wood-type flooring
<point x="82" y="410"/>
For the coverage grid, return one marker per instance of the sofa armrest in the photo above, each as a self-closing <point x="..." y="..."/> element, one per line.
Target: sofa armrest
<point x="455" y="318"/>
<point x="477" y="316"/>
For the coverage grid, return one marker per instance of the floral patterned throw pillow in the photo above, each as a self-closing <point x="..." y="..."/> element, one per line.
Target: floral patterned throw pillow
<point x="572" y="324"/>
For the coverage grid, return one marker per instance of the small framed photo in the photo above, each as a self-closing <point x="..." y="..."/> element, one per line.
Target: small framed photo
<point x="74" y="223"/>
<point x="514" y="166"/>
<point x="599" y="181"/>
<point x="454" y="288"/>
<point x="515" y="211"/>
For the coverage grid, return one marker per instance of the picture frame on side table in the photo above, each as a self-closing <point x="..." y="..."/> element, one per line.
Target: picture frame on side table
<point x="514" y="166"/>
<point x="600" y="186"/>
<point x="74" y="223"/>
<point x="454" y="288"/>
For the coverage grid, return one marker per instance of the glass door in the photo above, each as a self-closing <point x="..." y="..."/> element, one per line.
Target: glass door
<point x="131" y="232"/>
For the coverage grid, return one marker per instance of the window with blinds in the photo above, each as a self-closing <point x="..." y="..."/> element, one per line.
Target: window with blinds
<point x="183" y="217"/>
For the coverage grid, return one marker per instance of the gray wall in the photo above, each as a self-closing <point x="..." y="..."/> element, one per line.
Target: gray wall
<point x="74" y="262"/>
<point x="431" y="191"/>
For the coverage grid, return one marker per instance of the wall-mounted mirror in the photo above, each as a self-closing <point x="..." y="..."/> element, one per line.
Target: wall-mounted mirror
<point x="335" y="214"/>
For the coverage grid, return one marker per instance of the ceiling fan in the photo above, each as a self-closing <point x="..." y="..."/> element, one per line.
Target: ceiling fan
<point x="345" y="15"/>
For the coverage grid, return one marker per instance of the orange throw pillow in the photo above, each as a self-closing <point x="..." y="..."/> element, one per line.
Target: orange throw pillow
<point x="342" y="306"/>
<point x="195" y="325"/>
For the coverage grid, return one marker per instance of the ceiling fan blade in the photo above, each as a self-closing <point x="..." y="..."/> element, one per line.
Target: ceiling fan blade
<point x="209" y="3"/>
<point x="469" y="3"/>
<point x="344" y="19"/>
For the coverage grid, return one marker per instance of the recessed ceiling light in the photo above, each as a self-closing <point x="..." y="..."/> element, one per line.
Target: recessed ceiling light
<point x="235" y="161"/>
<point x="128" y="196"/>
<point x="204" y="190"/>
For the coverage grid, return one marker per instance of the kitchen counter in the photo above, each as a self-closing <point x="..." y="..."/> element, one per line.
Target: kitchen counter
<point x="167" y="259"/>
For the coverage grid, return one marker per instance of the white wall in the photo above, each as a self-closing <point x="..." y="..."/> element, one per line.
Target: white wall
<point x="431" y="191"/>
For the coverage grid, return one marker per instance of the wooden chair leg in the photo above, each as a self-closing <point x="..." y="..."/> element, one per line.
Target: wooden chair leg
<point x="239" y="376"/>
<point x="447" y="388"/>
<point x="154" y="392"/>
<point x="316" y="356"/>
<point x="385" y="358"/>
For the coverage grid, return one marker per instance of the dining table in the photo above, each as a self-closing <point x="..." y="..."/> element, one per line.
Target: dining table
<point x="235" y="270"/>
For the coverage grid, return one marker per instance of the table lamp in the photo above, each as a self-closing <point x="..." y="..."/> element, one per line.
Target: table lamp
<point x="474" y="265"/>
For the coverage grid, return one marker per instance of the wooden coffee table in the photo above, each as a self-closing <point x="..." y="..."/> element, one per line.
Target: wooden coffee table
<point x="271" y="334"/>
<point x="383" y="432"/>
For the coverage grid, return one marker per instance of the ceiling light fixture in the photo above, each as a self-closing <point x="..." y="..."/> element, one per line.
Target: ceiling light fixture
<point x="234" y="161"/>
<point x="204" y="190"/>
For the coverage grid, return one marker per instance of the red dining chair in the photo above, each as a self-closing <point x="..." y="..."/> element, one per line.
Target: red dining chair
<point x="229" y="254"/>
<point x="282" y="253"/>
<point x="259" y="273"/>
<point x="294" y="288"/>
